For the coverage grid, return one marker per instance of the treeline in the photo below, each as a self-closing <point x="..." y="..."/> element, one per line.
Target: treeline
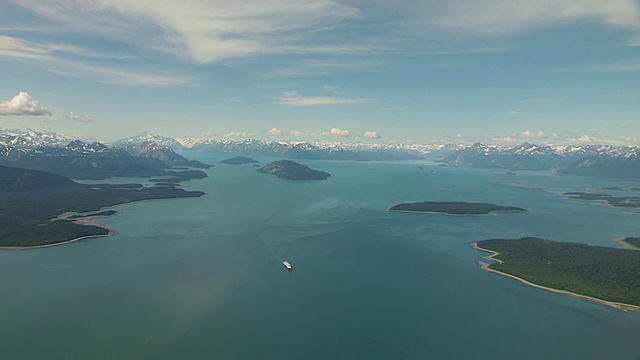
<point x="605" y="273"/>
<point x="453" y="207"/>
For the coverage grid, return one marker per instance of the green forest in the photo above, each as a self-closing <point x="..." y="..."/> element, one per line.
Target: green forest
<point x="605" y="273"/>
<point x="30" y="199"/>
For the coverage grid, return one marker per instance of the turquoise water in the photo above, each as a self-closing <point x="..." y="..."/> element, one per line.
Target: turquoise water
<point x="202" y="278"/>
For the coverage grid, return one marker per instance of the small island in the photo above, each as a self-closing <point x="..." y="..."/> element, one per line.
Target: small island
<point x="453" y="208"/>
<point x="602" y="274"/>
<point x="615" y="201"/>
<point x="291" y="170"/>
<point x="239" y="160"/>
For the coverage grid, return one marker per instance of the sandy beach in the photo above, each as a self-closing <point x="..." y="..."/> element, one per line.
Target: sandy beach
<point x="485" y="266"/>
<point x="625" y="244"/>
<point x="19" y="248"/>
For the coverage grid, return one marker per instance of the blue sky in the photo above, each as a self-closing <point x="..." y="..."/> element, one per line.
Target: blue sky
<point x="429" y="71"/>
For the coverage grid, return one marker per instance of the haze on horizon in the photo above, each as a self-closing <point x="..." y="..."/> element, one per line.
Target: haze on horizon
<point x="502" y="71"/>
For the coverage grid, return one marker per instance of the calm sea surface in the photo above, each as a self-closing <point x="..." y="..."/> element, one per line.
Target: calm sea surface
<point x="203" y="279"/>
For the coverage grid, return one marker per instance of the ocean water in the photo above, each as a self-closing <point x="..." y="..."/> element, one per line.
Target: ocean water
<point x="202" y="278"/>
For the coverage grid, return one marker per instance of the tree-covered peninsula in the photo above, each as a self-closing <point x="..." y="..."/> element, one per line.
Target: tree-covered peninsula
<point x="453" y="207"/>
<point x="30" y="200"/>
<point x="602" y="273"/>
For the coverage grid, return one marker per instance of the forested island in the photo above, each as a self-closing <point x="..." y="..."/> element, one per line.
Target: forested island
<point x="238" y="160"/>
<point x="291" y="170"/>
<point x="31" y="199"/>
<point x="604" y="274"/>
<point x="453" y="207"/>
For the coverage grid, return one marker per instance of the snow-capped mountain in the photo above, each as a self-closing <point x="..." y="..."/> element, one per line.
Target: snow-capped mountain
<point x="33" y="138"/>
<point x="145" y="137"/>
<point x="605" y="161"/>
<point x="150" y="149"/>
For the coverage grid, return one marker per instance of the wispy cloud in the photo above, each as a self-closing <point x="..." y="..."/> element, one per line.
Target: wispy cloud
<point x="294" y="99"/>
<point x="207" y="31"/>
<point x="79" y="118"/>
<point x="629" y="66"/>
<point x="56" y="59"/>
<point x="23" y="104"/>
<point x="508" y="16"/>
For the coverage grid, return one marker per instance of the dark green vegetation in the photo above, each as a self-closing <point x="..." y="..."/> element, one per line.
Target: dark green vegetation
<point x="617" y="201"/>
<point x="605" y="273"/>
<point x="238" y="160"/>
<point x="291" y="170"/>
<point x="29" y="199"/>
<point x="633" y="241"/>
<point x="92" y="214"/>
<point x="453" y="207"/>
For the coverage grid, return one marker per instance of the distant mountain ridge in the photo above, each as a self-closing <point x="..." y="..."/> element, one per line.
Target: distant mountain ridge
<point x="87" y="160"/>
<point x="607" y="161"/>
<point x="602" y="161"/>
<point x="164" y="153"/>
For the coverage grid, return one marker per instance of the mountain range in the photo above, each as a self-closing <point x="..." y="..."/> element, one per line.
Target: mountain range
<point x="81" y="159"/>
<point x="150" y="153"/>
<point x="602" y="161"/>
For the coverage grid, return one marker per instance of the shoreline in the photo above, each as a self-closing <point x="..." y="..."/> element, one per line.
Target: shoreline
<point x="485" y="266"/>
<point x="621" y="241"/>
<point x="21" y="248"/>
<point x="490" y="213"/>
<point x="85" y="221"/>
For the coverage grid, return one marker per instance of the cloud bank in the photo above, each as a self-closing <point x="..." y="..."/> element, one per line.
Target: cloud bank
<point x="23" y="104"/>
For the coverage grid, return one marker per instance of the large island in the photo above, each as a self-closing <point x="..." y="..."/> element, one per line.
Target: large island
<point x="32" y="201"/>
<point x="291" y="170"/>
<point x="453" y="208"/>
<point x="603" y="274"/>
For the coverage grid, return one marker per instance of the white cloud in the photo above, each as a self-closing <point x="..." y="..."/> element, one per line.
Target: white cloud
<point x="294" y="99"/>
<point x="23" y="104"/>
<point x="371" y="135"/>
<point x="530" y="134"/>
<point x="239" y="134"/>
<point x="275" y="132"/>
<point x="508" y="139"/>
<point x="297" y="133"/>
<point x="459" y="136"/>
<point x="336" y="132"/>
<point x="79" y="118"/>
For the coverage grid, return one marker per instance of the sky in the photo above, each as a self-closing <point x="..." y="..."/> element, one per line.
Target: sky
<point x="501" y="71"/>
